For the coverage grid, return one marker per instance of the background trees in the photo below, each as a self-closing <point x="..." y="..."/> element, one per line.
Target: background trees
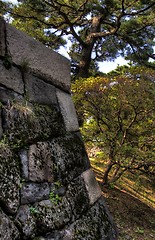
<point x="98" y="29"/>
<point x="119" y="118"/>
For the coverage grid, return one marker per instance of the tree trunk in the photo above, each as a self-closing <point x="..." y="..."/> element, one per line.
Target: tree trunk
<point x="106" y="173"/>
<point x="84" y="64"/>
<point x="115" y="177"/>
<point x="87" y="49"/>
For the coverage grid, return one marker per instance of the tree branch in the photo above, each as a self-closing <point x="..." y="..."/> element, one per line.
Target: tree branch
<point x="140" y="11"/>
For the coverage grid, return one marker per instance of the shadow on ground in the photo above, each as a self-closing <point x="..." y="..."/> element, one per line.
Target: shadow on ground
<point x="135" y="220"/>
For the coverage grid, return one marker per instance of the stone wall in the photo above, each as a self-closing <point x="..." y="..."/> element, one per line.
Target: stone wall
<point x="48" y="189"/>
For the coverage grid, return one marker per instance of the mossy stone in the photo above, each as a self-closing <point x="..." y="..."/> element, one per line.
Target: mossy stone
<point x="10" y="179"/>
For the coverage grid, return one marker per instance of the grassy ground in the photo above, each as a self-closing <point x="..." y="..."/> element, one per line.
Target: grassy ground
<point x="132" y="204"/>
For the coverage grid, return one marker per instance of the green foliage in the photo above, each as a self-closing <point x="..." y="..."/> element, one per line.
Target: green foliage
<point x="119" y="118"/>
<point x="55" y="198"/>
<point x="33" y="210"/>
<point x="58" y="184"/>
<point x="4" y="141"/>
<point x="1" y="104"/>
<point x="139" y="230"/>
<point x="22" y="181"/>
<point x="103" y="30"/>
<point x="24" y="111"/>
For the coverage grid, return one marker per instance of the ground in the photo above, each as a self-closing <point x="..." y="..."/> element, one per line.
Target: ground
<point x="131" y="202"/>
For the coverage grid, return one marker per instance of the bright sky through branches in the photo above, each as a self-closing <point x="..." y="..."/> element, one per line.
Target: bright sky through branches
<point x="105" y="67"/>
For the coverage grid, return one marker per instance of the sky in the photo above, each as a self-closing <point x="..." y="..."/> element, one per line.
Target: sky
<point x="103" y="67"/>
<point x="109" y="66"/>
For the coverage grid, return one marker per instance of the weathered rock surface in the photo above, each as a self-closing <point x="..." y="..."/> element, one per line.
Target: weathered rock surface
<point x="43" y="62"/>
<point x="2" y="37"/>
<point x="93" y="225"/>
<point x="38" y="91"/>
<point x="8" y="231"/>
<point x="14" y="75"/>
<point x="7" y="95"/>
<point x="92" y="186"/>
<point x="78" y="197"/>
<point x="69" y="157"/>
<point x="23" y="154"/>
<point x="68" y="111"/>
<point x="9" y="179"/>
<point x="25" y="221"/>
<point x="25" y="123"/>
<point x="53" y="215"/>
<point x="33" y="192"/>
<point x="40" y="163"/>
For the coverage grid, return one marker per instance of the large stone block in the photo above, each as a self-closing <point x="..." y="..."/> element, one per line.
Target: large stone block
<point x="53" y="215"/>
<point x="39" y="91"/>
<point x="9" y="179"/>
<point x="11" y="78"/>
<point x="2" y="36"/>
<point x="92" y="186"/>
<point x="25" y="123"/>
<point x="40" y="59"/>
<point x="69" y="157"/>
<point x="7" y="95"/>
<point x="95" y="225"/>
<point x="78" y="198"/>
<point x="40" y="162"/>
<point x="8" y="230"/>
<point x="68" y="111"/>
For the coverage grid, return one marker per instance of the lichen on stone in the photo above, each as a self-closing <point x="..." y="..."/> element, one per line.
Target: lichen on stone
<point x="69" y="157"/>
<point x="10" y="179"/>
<point x="8" y="230"/>
<point x="24" y="123"/>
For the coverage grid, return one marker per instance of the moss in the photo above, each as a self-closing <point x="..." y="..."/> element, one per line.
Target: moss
<point x="55" y="198"/>
<point x="24" y="65"/>
<point x="69" y="157"/>
<point x="86" y="228"/>
<point x="27" y="123"/>
<point x="7" y="61"/>
<point x="33" y="211"/>
<point x="10" y="178"/>
<point x="1" y="104"/>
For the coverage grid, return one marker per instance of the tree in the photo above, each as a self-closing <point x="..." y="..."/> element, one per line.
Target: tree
<point x="119" y="118"/>
<point x="98" y="29"/>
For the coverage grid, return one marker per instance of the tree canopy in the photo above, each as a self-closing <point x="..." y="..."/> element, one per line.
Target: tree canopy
<point x="119" y="119"/>
<point x="99" y="30"/>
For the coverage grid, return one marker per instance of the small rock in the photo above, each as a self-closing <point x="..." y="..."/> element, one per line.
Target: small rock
<point x="33" y="192"/>
<point x="24" y="163"/>
<point x="25" y="220"/>
<point x="127" y="237"/>
<point x="60" y="191"/>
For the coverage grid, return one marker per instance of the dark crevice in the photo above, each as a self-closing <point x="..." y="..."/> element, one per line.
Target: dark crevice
<point x="24" y="83"/>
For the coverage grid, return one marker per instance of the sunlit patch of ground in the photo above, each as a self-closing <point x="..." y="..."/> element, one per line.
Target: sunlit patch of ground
<point x="132" y="203"/>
